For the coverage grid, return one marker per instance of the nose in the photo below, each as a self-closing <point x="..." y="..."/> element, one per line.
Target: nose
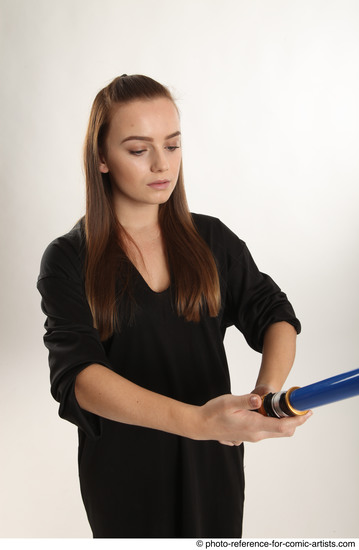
<point x="159" y="161"/>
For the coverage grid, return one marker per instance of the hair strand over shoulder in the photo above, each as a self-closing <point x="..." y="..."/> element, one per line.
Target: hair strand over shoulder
<point x="108" y="273"/>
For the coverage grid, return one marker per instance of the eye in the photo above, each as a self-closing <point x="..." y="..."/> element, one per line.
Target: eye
<point x="172" y="148"/>
<point x="137" y="153"/>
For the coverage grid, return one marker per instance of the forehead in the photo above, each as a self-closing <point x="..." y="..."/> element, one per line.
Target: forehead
<point x="151" y="117"/>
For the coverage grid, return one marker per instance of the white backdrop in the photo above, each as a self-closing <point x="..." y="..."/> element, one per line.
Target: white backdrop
<point x="268" y="92"/>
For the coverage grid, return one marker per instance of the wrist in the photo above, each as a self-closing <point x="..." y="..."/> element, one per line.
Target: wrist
<point x="190" y="421"/>
<point x="263" y="389"/>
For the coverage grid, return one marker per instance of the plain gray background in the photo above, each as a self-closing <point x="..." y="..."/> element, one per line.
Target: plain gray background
<point x="268" y="93"/>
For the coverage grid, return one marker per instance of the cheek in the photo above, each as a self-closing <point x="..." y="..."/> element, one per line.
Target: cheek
<point x="177" y="163"/>
<point x="126" y="169"/>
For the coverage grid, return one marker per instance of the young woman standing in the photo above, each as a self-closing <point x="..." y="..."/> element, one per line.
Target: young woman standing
<point x="138" y="297"/>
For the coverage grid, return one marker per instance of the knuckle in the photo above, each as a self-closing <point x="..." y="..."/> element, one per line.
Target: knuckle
<point x="285" y="429"/>
<point x="255" y="438"/>
<point x="288" y="431"/>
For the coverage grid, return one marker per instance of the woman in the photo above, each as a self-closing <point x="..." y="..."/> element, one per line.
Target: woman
<point x="138" y="297"/>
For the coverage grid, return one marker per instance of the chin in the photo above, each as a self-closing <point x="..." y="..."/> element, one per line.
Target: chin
<point x="162" y="197"/>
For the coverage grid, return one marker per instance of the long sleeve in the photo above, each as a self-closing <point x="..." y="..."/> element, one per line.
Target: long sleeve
<point x="255" y="301"/>
<point x="251" y="300"/>
<point x="70" y="337"/>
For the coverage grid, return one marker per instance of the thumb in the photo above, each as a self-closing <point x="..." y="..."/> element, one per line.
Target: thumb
<point x="246" y="402"/>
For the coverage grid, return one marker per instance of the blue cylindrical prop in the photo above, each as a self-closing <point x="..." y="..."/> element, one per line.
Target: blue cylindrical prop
<point x="330" y="390"/>
<point x="297" y="401"/>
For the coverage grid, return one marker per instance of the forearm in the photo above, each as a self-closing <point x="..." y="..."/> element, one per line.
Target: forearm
<point x="228" y="418"/>
<point x="277" y="356"/>
<point x="103" y="392"/>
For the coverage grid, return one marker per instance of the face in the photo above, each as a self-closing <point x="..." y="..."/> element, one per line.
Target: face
<point x="143" y="152"/>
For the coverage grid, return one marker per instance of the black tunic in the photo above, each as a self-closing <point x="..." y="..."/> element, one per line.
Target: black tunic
<point x="140" y="482"/>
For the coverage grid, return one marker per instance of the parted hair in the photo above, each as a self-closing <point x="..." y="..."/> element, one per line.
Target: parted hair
<point x="108" y="270"/>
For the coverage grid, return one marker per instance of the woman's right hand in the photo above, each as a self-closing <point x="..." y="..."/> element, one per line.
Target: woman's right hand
<point x="228" y="419"/>
<point x="232" y="419"/>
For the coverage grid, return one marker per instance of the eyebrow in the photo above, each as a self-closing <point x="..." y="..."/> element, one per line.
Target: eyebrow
<point x="145" y="138"/>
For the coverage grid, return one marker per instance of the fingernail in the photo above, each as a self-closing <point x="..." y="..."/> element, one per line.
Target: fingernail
<point x="255" y="401"/>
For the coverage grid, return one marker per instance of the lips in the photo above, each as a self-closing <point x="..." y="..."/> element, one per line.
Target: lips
<point x="159" y="184"/>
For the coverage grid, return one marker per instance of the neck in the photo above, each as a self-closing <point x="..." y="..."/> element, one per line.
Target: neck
<point x="138" y="218"/>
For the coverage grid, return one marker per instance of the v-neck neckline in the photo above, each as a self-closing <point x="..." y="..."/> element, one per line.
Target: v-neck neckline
<point x="145" y="283"/>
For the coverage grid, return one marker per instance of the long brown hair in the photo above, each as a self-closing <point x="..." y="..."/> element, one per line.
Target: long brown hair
<point x="108" y="271"/>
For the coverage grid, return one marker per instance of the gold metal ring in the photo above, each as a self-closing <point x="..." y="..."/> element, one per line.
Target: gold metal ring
<point x="294" y="411"/>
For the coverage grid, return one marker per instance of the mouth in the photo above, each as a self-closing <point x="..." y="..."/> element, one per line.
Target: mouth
<point x="159" y="184"/>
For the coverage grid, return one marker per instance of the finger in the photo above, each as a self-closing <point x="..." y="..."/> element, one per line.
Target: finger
<point x="245" y="402"/>
<point x="284" y="427"/>
<point x="231" y="443"/>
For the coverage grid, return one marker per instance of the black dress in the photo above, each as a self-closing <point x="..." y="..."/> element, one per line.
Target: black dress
<point x="140" y="482"/>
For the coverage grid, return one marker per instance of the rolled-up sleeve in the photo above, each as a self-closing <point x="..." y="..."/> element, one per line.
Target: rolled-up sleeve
<point x="254" y="301"/>
<point x="72" y="341"/>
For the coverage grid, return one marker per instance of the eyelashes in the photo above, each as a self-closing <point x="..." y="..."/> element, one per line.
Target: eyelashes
<point x="170" y="148"/>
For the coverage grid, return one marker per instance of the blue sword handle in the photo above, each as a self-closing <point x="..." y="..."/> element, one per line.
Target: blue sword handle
<point x="327" y="391"/>
<point x="296" y="401"/>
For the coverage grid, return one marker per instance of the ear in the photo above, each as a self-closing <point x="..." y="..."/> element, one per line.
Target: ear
<point x="103" y="168"/>
<point x="103" y="165"/>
